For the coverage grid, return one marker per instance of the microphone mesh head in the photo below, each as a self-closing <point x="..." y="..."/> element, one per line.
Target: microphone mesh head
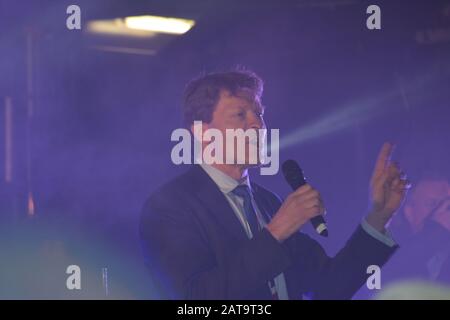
<point x="293" y="174"/>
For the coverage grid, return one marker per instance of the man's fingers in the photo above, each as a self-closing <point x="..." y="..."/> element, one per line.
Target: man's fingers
<point x="395" y="183"/>
<point x="303" y="189"/>
<point x="383" y="157"/>
<point x="311" y="203"/>
<point x="310" y="199"/>
<point x="315" y="206"/>
<point x="400" y="185"/>
<point x="393" y="170"/>
<point x="311" y="194"/>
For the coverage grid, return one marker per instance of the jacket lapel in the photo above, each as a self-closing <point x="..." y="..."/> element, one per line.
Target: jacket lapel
<point x="209" y="194"/>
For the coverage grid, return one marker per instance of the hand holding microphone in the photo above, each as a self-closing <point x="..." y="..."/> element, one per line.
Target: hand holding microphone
<point x="301" y="206"/>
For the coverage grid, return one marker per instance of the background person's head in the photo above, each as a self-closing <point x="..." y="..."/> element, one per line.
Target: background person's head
<point x="428" y="193"/>
<point x="225" y="100"/>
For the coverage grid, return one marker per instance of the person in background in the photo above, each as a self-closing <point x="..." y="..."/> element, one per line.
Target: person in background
<point x="422" y="230"/>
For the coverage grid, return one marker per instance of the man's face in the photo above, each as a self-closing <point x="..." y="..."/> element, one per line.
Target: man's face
<point x="241" y="111"/>
<point x="427" y="195"/>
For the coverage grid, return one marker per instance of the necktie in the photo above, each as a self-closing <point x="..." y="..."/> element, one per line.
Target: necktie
<point x="243" y="191"/>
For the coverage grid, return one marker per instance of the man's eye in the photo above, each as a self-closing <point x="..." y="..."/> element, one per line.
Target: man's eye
<point x="241" y="114"/>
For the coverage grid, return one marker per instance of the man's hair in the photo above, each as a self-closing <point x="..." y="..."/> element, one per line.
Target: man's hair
<point x="202" y="94"/>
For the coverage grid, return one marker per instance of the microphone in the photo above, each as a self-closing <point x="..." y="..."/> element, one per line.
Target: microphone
<point x="294" y="176"/>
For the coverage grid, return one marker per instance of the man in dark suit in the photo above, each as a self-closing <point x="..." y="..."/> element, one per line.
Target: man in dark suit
<point x="212" y="234"/>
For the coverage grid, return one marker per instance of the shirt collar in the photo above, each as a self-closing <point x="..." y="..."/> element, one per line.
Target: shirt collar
<point x="225" y="183"/>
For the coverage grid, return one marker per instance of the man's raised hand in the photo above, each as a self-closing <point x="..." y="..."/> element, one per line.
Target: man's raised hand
<point x="388" y="188"/>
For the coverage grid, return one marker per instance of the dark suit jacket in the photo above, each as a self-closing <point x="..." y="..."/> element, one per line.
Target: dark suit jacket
<point x="196" y="248"/>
